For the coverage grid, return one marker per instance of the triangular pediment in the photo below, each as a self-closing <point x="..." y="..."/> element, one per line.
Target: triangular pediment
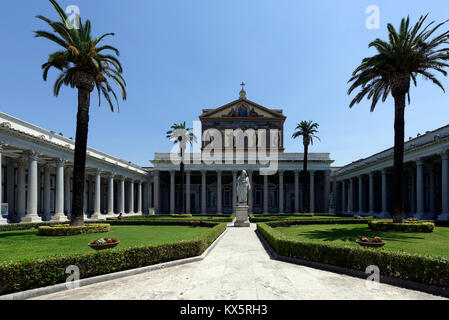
<point x="242" y="108"/>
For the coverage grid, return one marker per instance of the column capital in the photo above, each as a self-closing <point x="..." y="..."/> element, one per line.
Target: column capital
<point x="98" y="172"/>
<point x="172" y="172"/>
<point x="419" y="161"/>
<point x="121" y="178"/>
<point x="384" y="171"/>
<point x="21" y="161"/>
<point x="327" y="172"/>
<point x="188" y="172"/>
<point x="311" y="172"/>
<point x="33" y="155"/>
<point x="156" y="173"/>
<point x="111" y="175"/>
<point x="203" y="172"/>
<point x="296" y="173"/>
<point x="444" y="154"/>
<point x="280" y="172"/>
<point x="60" y="162"/>
<point x="219" y="172"/>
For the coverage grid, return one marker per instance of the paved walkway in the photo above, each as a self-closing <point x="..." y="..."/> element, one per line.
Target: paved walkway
<point x="238" y="268"/>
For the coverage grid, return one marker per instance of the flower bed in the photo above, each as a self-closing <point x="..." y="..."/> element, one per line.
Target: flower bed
<point x="416" y="267"/>
<point x="66" y="230"/>
<point x="24" y="275"/>
<point x="406" y="226"/>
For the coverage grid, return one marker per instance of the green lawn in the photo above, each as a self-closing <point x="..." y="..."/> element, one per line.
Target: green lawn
<point x="436" y="243"/>
<point x="26" y="244"/>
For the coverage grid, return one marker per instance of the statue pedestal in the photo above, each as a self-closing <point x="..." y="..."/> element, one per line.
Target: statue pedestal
<point x="241" y="216"/>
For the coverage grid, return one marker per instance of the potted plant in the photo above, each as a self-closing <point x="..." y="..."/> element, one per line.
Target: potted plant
<point x="103" y="243"/>
<point x="374" y="242"/>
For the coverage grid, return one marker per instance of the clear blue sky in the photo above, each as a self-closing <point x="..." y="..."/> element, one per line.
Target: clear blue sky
<point x="182" y="56"/>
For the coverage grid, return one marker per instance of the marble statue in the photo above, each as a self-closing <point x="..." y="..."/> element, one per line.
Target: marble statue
<point x="243" y="187"/>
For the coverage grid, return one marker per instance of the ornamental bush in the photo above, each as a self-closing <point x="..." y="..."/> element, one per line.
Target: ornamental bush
<point x="25" y="275"/>
<point x="66" y="230"/>
<point x="406" y="226"/>
<point x="420" y="268"/>
<point x="181" y="215"/>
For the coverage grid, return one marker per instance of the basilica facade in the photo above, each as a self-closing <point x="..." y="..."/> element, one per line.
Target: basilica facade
<point x="37" y="165"/>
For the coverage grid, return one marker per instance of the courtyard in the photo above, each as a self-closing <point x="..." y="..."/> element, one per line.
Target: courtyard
<point x="245" y="273"/>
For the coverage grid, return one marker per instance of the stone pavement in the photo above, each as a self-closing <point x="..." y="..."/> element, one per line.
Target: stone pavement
<point x="238" y="268"/>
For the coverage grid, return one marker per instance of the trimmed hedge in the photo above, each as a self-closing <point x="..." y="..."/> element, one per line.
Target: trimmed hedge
<point x="406" y="226"/>
<point x="180" y="215"/>
<point x="415" y="267"/>
<point x="27" y="226"/>
<point x="143" y="218"/>
<point x="289" y="222"/>
<point x="25" y="275"/>
<point x="256" y="219"/>
<point x="66" y="230"/>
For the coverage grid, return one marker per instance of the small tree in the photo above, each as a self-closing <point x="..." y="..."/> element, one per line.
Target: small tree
<point x="307" y="130"/>
<point x="179" y="133"/>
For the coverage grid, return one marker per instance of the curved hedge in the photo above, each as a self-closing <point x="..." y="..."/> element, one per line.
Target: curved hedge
<point x="66" y="230"/>
<point x="25" y="275"/>
<point x="415" y="267"/>
<point x="406" y="226"/>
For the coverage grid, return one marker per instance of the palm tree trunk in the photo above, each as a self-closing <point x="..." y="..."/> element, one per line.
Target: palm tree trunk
<point x="82" y="126"/>
<point x="304" y="183"/>
<point x="397" y="192"/>
<point x="182" y="181"/>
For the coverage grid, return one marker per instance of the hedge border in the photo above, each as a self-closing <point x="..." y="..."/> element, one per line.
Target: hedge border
<point x="415" y="267"/>
<point x="410" y="226"/>
<point x="63" y="231"/>
<point x="42" y="272"/>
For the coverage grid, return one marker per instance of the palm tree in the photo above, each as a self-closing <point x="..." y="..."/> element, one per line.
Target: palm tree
<point x="179" y="133"/>
<point x="308" y="131"/>
<point x="408" y="53"/>
<point x="83" y="65"/>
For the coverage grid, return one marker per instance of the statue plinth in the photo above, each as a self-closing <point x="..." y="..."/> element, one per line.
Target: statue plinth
<point x="241" y="216"/>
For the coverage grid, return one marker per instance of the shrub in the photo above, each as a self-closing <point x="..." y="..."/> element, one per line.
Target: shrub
<point x="304" y="214"/>
<point x="406" y="226"/>
<point x="284" y="223"/>
<point x="181" y="215"/>
<point x="66" y="230"/>
<point x="415" y="267"/>
<point x="24" y="275"/>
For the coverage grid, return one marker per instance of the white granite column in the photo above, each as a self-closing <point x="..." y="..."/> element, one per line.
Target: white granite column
<point x="131" y="197"/>
<point x="384" y="212"/>
<point x="21" y="188"/>
<point x="2" y="220"/>
<point x="371" y="193"/>
<point x="150" y="196"/>
<point x="10" y="186"/>
<point x="47" y="186"/>
<point x="444" y="186"/>
<point x="312" y="191"/>
<point x="234" y="190"/>
<point x="121" y="204"/>
<point x="172" y="191"/>
<point x="265" y="194"/>
<point x="97" y="197"/>
<point x="219" y="193"/>
<point x="139" y="197"/>
<point x="59" y="202"/>
<point x="156" y="192"/>
<point x="188" y="192"/>
<point x="360" y="197"/>
<point x="327" y="190"/>
<point x="351" y="195"/>
<point x="250" y="193"/>
<point x="203" y="192"/>
<point x="296" y="174"/>
<point x="344" y="197"/>
<point x="413" y="201"/>
<point x="281" y="191"/>
<point x="111" y="195"/>
<point x="67" y="194"/>
<point x="86" y="195"/>
<point x="432" y="190"/>
<point x="420" y="189"/>
<point x="32" y="190"/>
<point x="145" y="199"/>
